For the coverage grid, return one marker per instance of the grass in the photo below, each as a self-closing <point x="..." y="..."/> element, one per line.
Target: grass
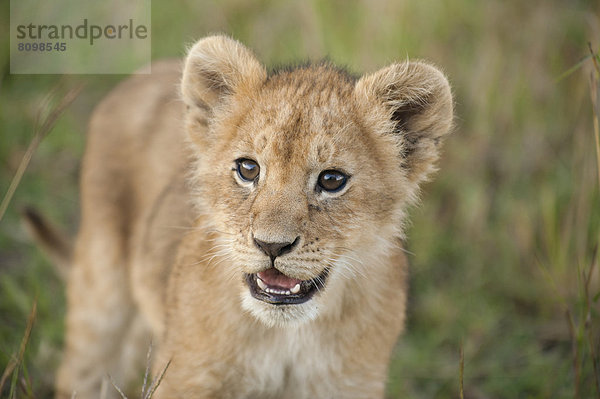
<point x="45" y="121"/>
<point x="16" y="369"/>
<point x="147" y="390"/>
<point x="504" y="276"/>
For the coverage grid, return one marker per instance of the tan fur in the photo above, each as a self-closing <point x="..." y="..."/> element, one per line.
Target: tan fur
<point x="142" y="226"/>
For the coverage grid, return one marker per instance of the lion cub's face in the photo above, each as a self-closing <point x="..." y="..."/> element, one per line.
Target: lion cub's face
<point x="304" y="174"/>
<point x="299" y="187"/>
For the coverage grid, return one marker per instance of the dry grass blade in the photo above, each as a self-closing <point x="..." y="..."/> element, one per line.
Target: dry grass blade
<point x="595" y="101"/>
<point x="571" y="324"/>
<point x="574" y="68"/>
<point x="14" y="366"/>
<point x="104" y="388"/>
<point x="147" y="371"/>
<point x="25" y="387"/>
<point x="587" y="280"/>
<point x="595" y="94"/>
<point x="594" y="58"/>
<point x="25" y="340"/>
<point x="43" y="126"/>
<point x="462" y="371"/>
<point x="588" y="321"/>
<point x="575" y="351"/>
<point x="114" y="384"/>
<point x="156" y="382"/>
<point x="8" y="371"/>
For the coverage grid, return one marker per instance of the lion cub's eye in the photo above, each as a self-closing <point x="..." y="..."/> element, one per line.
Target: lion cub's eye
<point x="332" y="180"/>
<point x="247" y="169"/>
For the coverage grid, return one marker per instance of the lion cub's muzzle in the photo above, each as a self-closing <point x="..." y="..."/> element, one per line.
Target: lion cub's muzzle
<point x="274" y="287"/>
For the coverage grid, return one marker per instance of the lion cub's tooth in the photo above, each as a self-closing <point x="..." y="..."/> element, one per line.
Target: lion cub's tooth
<point x="261" y="284"/>
<point x="295" y="289"/>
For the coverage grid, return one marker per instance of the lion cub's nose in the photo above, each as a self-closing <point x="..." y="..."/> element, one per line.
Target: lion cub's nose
<point x="275" y="249"/>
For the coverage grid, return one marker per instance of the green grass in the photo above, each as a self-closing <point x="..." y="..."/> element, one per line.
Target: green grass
<point x="505" y="232"/>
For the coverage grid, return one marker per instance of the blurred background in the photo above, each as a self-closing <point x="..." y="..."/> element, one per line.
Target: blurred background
<point x="503" y="246"/>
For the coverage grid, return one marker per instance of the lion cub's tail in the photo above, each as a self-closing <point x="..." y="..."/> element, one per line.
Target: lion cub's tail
<point x="53" y="242"/>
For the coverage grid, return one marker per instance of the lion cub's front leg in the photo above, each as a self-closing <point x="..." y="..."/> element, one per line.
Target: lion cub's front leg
<point x="104" y="336"/>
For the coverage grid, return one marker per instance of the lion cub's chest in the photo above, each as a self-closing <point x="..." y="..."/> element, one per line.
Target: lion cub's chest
<point x="290" y="363"/>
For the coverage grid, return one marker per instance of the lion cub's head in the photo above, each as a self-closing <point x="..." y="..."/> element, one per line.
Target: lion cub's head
<point x="304" y="174"/>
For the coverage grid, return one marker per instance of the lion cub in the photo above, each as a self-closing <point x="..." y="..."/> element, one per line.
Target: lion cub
<point x="251" y="224"/>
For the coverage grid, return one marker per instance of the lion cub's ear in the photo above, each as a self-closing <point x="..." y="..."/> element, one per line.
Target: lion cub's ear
<point x="412" y="101"/>
<point x="217" y="67"/>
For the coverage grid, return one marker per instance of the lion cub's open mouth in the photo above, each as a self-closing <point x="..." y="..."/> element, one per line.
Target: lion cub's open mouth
<point x="274" y="287"/>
